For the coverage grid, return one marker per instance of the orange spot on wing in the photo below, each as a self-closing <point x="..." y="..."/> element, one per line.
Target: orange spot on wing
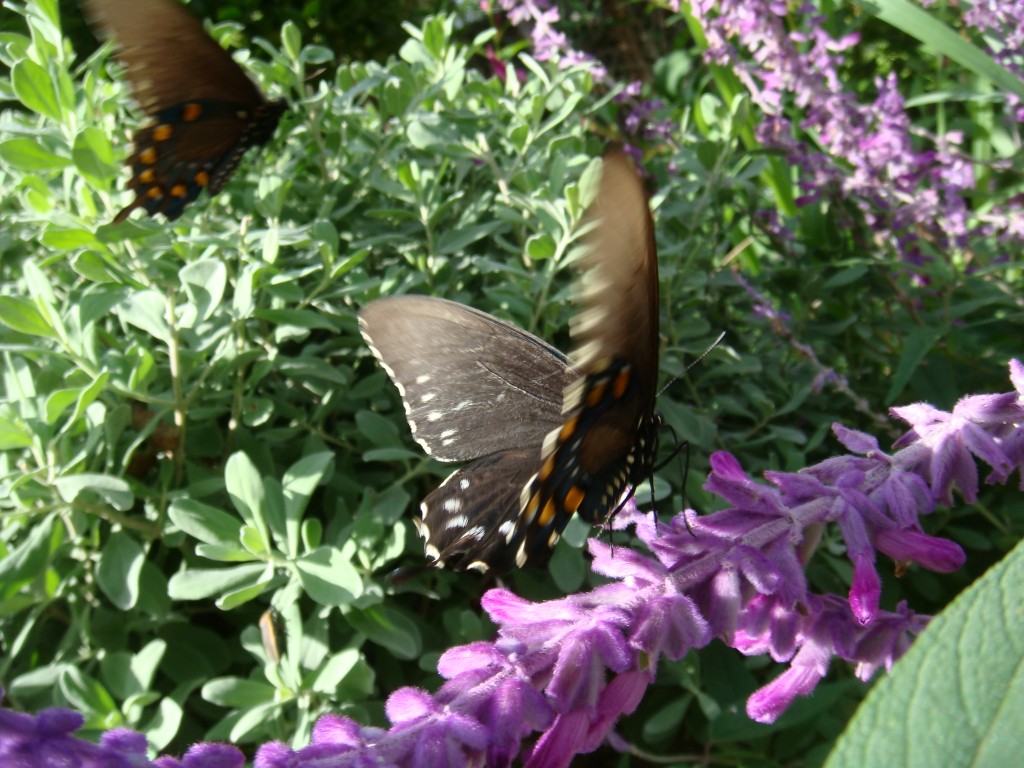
<point x="147" y="156"/>
<point x="545" y="471"/>
<point x="621" y="383"/>
<point x="574" y="498"/>
<point x="568" y="429"/>
<point x="596" y="394"/>
<point x="191" y="112"/>
<point x="154" y="193"/>
<point x="202" y="178"/>
<point x="163" y="132"/>
<point x="147" y="176"/>
<point x="547" y="514"/>
<point x="179" y="190"/>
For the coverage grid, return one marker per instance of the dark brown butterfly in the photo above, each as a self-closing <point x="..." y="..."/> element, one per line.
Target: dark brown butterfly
<point x="204" y="112"/>
<point x="546" y="437"/>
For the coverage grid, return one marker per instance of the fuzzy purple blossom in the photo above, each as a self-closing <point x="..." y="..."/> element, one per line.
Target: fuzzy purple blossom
<point x="916" y="199"/>
<point x="539" y="18"/>
<point x="561" y="673"/>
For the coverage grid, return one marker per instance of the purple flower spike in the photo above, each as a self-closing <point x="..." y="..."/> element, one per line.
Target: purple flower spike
<point x="46" y="740"/>
<point x="562" y="672"/>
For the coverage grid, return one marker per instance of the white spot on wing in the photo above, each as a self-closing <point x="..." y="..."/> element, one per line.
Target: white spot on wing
<point x="423" y="378"/>
<point x="428" y="397"/>
<point x="434" y="416"/>
<point x="476" y="532"/>
<point x="452" y="505"/>
<point x="506" y="529"/>
<point x="459" y="521"/>
<point x="464" y="483"/>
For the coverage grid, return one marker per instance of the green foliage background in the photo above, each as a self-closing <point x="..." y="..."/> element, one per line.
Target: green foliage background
<point x="192" y="430"/>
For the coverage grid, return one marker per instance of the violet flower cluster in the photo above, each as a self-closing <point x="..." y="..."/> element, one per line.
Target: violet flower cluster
<point x="1002" y="23"/>
<point x="562" y="672"/>
<point x="540" y="19"/>
<point x="790" y="64"/>
<point x="917" y="200"/>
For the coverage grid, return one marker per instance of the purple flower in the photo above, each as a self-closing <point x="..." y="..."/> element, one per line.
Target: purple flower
<point x="45" y="740"/>
<point x="915" y="199"/>
<point x="562" y="672"/>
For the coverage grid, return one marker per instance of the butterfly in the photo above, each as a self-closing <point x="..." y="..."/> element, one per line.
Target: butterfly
<point x="545" y="436"/>
<point x="204" y="112"/>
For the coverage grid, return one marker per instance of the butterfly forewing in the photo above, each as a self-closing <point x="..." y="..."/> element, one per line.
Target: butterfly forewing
<point x="607" y="439"/>
<point x="204" y="111"/>
<point x="471" y="384"/>
<point x="168" y="56"/>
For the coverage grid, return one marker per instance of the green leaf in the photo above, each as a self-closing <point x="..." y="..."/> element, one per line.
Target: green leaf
<point x="389" y="628"/>
<point x="915" y="347"/>
<point x="429" y="131"/>
<point x="237" y="692"/>
<point x="204" y="282"/>
<point x="457" y="240"/>
<point x="15" y="433"/>
<point x="82" y="397"/>
<point x="34" y="88"/>
<point x="85" y="693"/>
<point x="291" y="40"/>
<point x="22" y="316"/>
<point x="28" y="559"/>
<point x="205" y="523"/>
<point x="130" y="674"/>
<point x="201" y="583"/>
<point x="379" y="430"/>
<point x="225" y="554"/>
<point x="244" y="486"/>
<point x="305" y="319"/>
<point x="300" y="481"/>
<point x="164" y="725"/>
<point x="94" y="156"/>
<point x="31" y="156"/>
<point x="330" y="675"/>
<point x="329" y="577"/>
<point x="59" y="401"/>
<point x="236" y="597"/>
<point x="113" y="490"/>
<point x="956" y="697"/>
<point x="540" y="246"/>
<point x="147" y="310"/>
<point x="119" y="569"/>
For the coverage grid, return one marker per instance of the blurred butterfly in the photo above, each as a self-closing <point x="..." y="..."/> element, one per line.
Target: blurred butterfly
<point x="204" y="112"/>
<point x="545" y="437"/>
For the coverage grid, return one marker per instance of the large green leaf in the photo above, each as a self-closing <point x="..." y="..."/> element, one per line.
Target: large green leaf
<point x="957" y="697"/>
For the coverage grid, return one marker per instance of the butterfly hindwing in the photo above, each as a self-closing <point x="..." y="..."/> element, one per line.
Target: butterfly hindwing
<point x="472" y="521"/>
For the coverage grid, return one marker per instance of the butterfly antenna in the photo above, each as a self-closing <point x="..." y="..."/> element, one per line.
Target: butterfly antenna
<point x="696" y="360"/>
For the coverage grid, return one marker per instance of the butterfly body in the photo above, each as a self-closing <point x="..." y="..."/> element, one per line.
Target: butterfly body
<point x="546" y="436"/>
<point x="204" y="111"/>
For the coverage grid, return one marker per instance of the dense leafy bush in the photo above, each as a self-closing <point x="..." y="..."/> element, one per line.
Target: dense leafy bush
<point x="192" y="430"/>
